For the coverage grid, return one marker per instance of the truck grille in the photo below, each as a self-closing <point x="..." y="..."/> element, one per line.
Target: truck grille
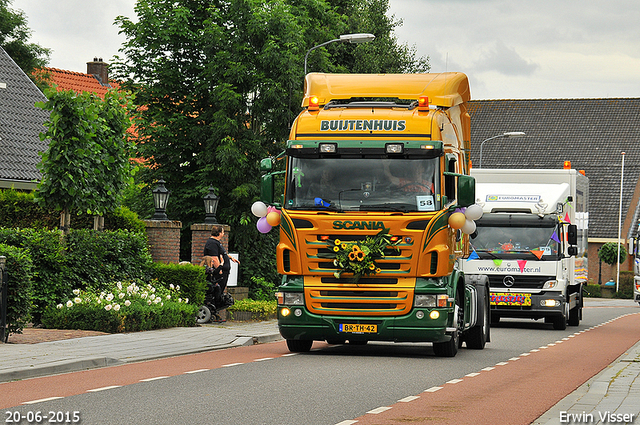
<point x="519" y="282"/>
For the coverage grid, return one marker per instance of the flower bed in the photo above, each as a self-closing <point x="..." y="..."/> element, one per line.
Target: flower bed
<point x="122" y="307"/>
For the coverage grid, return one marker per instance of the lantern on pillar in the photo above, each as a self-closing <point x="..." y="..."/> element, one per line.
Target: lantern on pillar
<point x="160" y="199"/>
<point x="211" y="206"/>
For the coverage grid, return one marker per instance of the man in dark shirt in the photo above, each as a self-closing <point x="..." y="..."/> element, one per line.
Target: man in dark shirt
<point x="220" y="259"/>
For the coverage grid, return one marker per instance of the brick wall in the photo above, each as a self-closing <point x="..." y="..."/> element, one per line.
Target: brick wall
<point x="164" y="240"/>
<point x="199" y="235"/>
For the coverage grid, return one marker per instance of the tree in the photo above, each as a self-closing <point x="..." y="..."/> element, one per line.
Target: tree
<point x="14" y="36"/>
<point x="609" y="251"/>
<point x="86" y="166"/>
<point x="218" y="85"/>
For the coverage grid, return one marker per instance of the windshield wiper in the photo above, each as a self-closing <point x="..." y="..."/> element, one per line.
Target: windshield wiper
<point x="384" y="207"/>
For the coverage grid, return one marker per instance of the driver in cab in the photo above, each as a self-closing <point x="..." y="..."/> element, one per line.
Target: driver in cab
<point x="417" y="179"/>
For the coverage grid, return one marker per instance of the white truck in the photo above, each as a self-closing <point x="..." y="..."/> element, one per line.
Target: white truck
<point x="533" y="227"/>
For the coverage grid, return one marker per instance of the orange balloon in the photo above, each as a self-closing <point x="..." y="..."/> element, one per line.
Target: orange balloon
<point x="273" y="218"/>
<point x="457" y="220"/>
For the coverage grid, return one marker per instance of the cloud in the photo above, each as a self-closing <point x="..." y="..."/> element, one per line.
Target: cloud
<point x="504" y="60"/>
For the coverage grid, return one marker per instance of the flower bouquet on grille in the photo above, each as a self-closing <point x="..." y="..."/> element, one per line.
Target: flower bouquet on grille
<point x="359" y="257"/>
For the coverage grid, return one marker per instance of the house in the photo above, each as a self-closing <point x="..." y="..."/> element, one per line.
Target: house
<point x="21" y="122"/>
<point x="592" y="134"/>
<point x="96" y="79"/>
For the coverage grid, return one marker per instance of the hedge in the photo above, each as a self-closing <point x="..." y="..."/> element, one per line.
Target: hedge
<point x="20" y="274"/>
<point x="190" y="278"/>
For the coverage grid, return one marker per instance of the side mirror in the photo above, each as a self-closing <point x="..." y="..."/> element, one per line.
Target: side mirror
<point x="267" y="189"/>
<point x="266" y="165"/>
<point x="572" y="234"/>
<point x="466" y="190"/>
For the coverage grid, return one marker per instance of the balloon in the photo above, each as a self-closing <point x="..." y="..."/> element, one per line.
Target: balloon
<point x="273" y="218"/>
<point x="271" y="209"/>
<point x="457" y="220"/>
<point x="473" y="212"/>
<point x="263" y="226"/>
<point x="259" y="209"/>
<point x="469" y="227"/>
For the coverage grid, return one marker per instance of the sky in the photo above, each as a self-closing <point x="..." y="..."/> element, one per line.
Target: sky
<point x="509" y="49"/>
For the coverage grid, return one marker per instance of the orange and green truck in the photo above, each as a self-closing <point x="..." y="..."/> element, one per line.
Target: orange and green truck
<point x="371" y="228"/>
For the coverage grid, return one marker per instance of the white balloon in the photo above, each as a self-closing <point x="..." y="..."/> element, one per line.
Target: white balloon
<point x="469" y="227"/>
<point x="259" y="209"/>
<point x="473" y="212"/>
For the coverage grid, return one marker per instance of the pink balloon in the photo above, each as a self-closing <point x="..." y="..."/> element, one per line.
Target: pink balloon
<point x="263" y="226"/>
<point x="271" y="208"/>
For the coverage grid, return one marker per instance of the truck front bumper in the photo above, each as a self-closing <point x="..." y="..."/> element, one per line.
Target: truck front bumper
<point x="299" y="323"/>
<point x="542" y="305"/>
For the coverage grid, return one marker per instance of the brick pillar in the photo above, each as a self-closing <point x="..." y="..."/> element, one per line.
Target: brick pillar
<point x="164" y="240"/>
<point x="199" y="235"/>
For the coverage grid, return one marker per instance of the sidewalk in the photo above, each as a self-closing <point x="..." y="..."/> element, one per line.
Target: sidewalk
<point x="21" y="361"/>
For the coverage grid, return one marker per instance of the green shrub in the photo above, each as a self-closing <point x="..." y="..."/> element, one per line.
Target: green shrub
<point x="190" y="278"/>
<point x="593" y="291"/>
<point x="625" y="288"/>
<point x="52" y="279"/>
<point x="100" y="257"/>
<point x="128" y="306"/>
<point x="262" y="289"/>
<point x="19" y="269"/>
<point x="261" y="308"/>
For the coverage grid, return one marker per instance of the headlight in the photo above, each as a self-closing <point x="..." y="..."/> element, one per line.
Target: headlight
<point x="293" y="298"/>
<point x="549" y="303"/>
<point x="430" y="300"/>
<point x="424" y="301"/>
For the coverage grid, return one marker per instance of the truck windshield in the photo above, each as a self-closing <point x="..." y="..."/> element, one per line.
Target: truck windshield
<point x="503" y="242"/>
<point x="363" y="184"/>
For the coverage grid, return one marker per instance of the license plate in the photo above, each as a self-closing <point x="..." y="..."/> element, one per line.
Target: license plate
<point x="501" y="298"/>
<point x="358" y="328"/>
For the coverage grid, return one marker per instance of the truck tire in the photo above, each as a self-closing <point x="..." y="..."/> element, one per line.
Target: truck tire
<point x="560" y="321"/>
<point x="450" y="348"/>
<point x="477" y="337"/>
<point x="299" y="345"/>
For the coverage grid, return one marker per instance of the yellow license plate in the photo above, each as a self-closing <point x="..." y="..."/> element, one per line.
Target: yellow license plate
<point x="357" y="328"/>
<point x="509" y="298"/>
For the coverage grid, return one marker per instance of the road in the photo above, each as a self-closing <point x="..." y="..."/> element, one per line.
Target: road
<point x="517" y="374"/>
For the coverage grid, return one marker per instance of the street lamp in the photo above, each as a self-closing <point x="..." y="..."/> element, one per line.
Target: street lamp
<point x="345" y="38"/>
<point x="160" y="199"/>
<point x="211" y="206"/>
<point x="503" y="135"/>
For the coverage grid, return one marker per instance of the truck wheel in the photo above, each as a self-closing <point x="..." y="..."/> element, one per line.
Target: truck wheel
<point x="560" y="322"/>
<point x="477" y="337"/>
<point x="299" y="345"/>
<point x="574" y="316"/>
<point x="450" y="348"/>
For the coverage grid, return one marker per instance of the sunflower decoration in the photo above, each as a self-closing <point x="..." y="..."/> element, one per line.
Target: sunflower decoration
<point x="358" y="258"/>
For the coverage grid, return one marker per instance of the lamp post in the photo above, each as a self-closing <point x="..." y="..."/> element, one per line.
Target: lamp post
<point x="211" y="206"/>
<point x="503" y="135"/>
<point x="345" y="38"/>
<point x="620" y="224"/>
<point x="3" y="299"/>
<point x="160" y="199"/>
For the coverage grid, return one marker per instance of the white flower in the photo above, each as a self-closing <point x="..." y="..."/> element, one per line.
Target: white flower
<point x="77" y="300"/>
<point x="127" y="303"/>
<point x="177" y="287"/>
<point x="179" y="300"/>
<point x="171" y="286"/>
<point x="59" y="306"/>
<point x="109" y="297"/>
<point x="121" y="295"/>
<point x="69" y="303"/>
<point x="119" y="285"/>
<point x="153" y="289"/>
<point x="157" y="300"/>
<point x="161" y="304"/>
<point x="186" y="300"/>
<point x="76" y="292"/>
<point x="149" y="302"/>
<point x="168" y="297"/>
<point x="108" y="307"/>
<point x="116" y="307"/>
<point x="144" y="294"/>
